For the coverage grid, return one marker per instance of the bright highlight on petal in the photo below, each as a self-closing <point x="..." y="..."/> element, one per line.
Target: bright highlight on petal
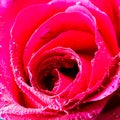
<point x="5" y="3"/>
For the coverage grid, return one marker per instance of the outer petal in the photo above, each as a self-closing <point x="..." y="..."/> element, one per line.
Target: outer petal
<point x="33" y="21"/>
<point x="53" y="27"/>
<point x="112" y="109"/>
<point x="8" y="11"/>
<point x="87" y="111"/>
<point x="111" y="8"/>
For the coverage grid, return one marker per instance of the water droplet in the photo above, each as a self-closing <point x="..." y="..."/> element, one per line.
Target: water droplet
<point x="49" y="3"/>
<point x="92" y="114"/>
<point x="113" y="113"/>
<point x="98" y="89"/>
<point x="46" y="33"/>
<point x="16" y="71"/>
<point x="117" y="116"/>
<point x="19" y="78"/>
<point x="0" y="46"/>
<point x="81" y="118"/>
<point x="77" y="118"/>
<point x="2" y="88"/>
<point x="14" y="45"/>
<point x="102" y="86"/>
<point x="78" y="3"/>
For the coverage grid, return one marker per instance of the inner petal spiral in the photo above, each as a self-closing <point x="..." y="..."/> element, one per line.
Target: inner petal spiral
<point x="55" y="70"/>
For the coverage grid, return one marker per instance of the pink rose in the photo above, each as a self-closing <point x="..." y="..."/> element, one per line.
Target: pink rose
<point x="60" y="60"/>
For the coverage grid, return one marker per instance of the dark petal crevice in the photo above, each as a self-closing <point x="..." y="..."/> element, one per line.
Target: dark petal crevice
<point x="49" y="75"/>
<point x="56" y="67"/>
<point x="71" y="72"/>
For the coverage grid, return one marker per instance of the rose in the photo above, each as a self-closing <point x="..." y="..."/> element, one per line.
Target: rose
<point x="65" y="101"/>
<point x="69" y="46"/>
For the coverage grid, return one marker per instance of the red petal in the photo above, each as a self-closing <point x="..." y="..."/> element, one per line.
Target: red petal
<point x="34" y="19"/>
<point x="108" y="35"/>
<point x="111" y="8"/>
<point x="89" y="111"/>
<point x="80" y="21"/>
<point x="112" y="109"/>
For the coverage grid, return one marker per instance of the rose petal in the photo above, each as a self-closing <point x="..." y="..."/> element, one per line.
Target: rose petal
<point x="71" y="39"/>
<point x="102" y="60"/>
<point x="105" y="87"/>
<point x="109" y="36"/>
<point x="89" y="111"/>
<point x="54" y="27"/>
<point x="112" y="109"/>
<point x="33" y="20"/>
<point x="111" y="8"/>
<point x="6" y="76"/>
<point x="41" y="63"/>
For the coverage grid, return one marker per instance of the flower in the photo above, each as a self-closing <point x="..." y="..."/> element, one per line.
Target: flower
<point x="64" y="62"/>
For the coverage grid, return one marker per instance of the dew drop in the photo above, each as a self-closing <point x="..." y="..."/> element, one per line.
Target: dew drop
<point x="14" y="45"/>
<point x="113" y="113"/>
<point x="98" y="89"/>
<point x="46" y="33"/>
<point x="20" y="78"/>
<point x="78" y="3"/>
<point x="77" y="118"/>
<point x="92" y="114"/>
<point x="117" y="116"/>
<point x="2" y="88"/>
<point x="102" y="86"/>
<point x="16" y="70"/>
<point x="81" y="118"/>
<point x="49" y="3"/>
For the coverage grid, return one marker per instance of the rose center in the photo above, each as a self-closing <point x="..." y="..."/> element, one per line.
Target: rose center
<point x="51" y="77"/>
<point x="56" y="71"/>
